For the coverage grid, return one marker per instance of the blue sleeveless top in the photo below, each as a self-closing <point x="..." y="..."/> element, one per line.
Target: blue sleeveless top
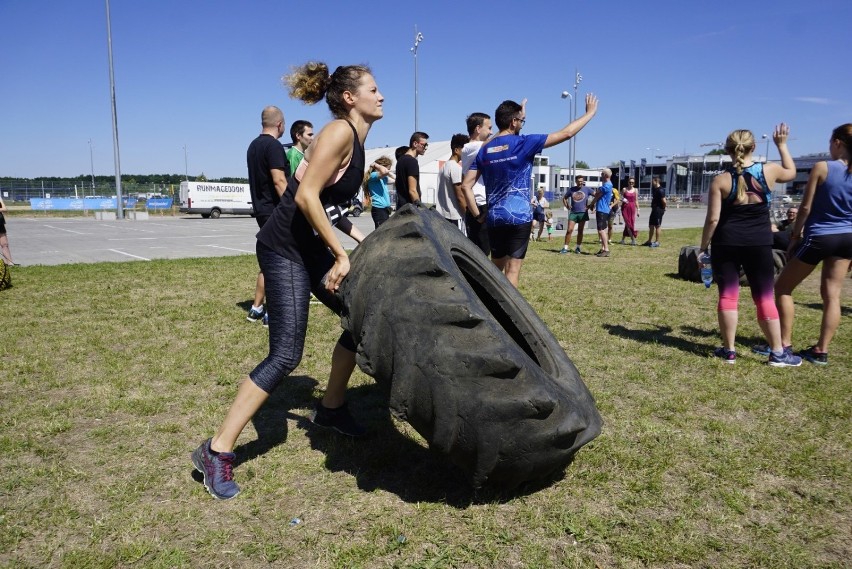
<point x="831" y="211"/>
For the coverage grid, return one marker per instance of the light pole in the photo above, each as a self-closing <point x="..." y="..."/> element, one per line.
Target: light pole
<point x="92" y="164"/>
<point x="567" y="95"/>
<point x="577" y="79"/>
<point x="766" y="138"/>
<point x="418" y="37"/>
<point x="185" y="165"/>
<point x="119" y="211"/>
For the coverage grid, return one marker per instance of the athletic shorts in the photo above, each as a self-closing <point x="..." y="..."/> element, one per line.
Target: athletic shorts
<point x="580" y="217"/>
<point x="817" y="248"/>
<point x="656" y="218"/>
<point x="602" y="220"/>
<point x="538" y="216"/>
<point x="509" y="240"/>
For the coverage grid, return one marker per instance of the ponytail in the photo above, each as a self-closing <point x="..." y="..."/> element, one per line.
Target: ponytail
<point x="739" y="144"/>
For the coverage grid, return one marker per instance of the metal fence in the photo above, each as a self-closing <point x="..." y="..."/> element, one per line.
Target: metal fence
<point x="24" y="190"/>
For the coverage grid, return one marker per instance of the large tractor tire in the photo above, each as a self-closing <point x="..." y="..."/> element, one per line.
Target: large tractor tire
<point x="688" y="267"/>
<point x="466" y="360"/>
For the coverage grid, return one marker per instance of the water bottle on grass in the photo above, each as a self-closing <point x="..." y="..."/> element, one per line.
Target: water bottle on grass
<point x="706" y="269"/>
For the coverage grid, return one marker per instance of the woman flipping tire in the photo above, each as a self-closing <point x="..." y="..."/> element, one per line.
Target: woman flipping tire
<point x="468" y="363"/>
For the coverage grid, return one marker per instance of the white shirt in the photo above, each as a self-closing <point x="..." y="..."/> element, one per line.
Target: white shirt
<point x="469" y="152"/>
<point x="447" y="203"/>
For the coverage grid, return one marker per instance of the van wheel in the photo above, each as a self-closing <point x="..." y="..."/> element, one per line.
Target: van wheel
<point x="467" y="362"/>
<point x="215" y="213"/>
<point x="205" y="215"/>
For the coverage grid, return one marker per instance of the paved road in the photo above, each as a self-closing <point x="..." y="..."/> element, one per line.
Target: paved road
<point x="41" y="240"/>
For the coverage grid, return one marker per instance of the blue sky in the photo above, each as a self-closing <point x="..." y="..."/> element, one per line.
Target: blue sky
<point x="670" y="75"/>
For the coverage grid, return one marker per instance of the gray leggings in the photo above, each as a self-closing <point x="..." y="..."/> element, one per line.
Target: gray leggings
<point x="288" y="292"/>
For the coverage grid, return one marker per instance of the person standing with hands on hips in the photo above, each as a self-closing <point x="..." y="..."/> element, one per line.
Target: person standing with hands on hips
<point x="300" y="253"/>
<point x="738" y="226"/>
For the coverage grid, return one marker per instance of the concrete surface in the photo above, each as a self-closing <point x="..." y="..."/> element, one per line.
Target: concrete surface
<point x="42" y="240"/>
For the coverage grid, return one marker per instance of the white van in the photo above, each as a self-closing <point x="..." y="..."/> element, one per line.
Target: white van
<point x="212" y="199"/>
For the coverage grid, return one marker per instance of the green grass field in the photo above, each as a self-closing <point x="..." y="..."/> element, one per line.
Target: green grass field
<point x="113" y="373"/>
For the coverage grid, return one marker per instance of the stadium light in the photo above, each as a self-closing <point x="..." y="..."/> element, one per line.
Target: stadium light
<point x="418" y="37"/>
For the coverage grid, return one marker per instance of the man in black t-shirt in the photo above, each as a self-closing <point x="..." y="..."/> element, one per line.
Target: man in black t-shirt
<point x="658" y="208"/>
<point x="268" y="173"/>
<point x="408" y="170"/>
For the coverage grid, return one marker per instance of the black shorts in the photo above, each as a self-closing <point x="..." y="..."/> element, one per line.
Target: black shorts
<point x="261" y="219"/>
<point x="602" y="220"/>
<point x="816" y="248"/>
<point x="509" y="240"/>
<point x="656" y="218"/>
<point x="538" y="216"/>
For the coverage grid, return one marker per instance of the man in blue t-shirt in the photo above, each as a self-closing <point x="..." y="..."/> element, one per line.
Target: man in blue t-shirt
<point x="602" y="205"/>
<point x="505" y="164"/>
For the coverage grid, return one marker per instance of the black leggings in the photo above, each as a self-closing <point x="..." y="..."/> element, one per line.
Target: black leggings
<point x="288" y="293"/>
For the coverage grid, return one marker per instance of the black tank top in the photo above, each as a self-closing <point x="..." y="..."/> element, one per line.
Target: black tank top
<point x="288" y="232"/>
<point x="745" y="224"/>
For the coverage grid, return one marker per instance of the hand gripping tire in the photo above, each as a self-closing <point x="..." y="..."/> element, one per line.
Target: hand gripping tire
<point x="468" y="363"/>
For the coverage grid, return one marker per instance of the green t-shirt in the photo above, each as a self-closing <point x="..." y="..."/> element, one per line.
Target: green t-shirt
<point x="294" y="157"/>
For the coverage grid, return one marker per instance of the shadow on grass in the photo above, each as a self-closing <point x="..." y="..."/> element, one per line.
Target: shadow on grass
<point x="844" y="310"/>
<point x="389" y="460"/>
<point x="663" y="335"/>
<point x="270" y="422"/>
<point x="384" y="459"/>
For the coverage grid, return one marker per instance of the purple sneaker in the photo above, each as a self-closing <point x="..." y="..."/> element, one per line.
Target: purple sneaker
<point x="786" y="359"/>
<point x="217" y="470"/>
<point x="728" y="356"/>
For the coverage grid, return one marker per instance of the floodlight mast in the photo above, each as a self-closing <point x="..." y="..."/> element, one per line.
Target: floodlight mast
<point x="418" y="37"/>
<point x="119" y="212"/>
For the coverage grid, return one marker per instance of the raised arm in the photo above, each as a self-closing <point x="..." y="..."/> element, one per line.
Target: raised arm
<point x="383" y="172"/>
<point x="786" y="171"/>
<point x="575" y="126"/>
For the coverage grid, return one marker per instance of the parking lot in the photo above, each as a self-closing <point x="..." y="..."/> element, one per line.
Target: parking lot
<point x="43" y="240"/>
